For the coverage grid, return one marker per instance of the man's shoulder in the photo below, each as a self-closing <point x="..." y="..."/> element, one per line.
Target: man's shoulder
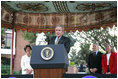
<point x="90" y="54"/>
<point x="64" y="37"/>
<point x="100" y="52"/>
<point x="53" y="37"/>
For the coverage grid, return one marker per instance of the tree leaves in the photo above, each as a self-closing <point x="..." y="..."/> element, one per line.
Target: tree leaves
<point x="100" y="36"/>
<point x="30" y="36"/>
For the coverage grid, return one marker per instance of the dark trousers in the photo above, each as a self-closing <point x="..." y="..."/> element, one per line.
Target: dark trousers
<point x="108" y="68"/>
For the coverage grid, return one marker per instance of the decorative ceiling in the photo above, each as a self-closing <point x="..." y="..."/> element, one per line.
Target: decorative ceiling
<point x="58" y="6"/>
<point x="43" y="16"/>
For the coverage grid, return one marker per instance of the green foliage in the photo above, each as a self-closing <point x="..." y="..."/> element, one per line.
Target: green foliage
<point x="72" y="64"/>
<point x="3" y="31"/>
<point x="84" y="52"/>
<point x="73" y="56"/>
<point x="48" y="36"/>
<point x="100" y="36"/>
<point x="85" y="39"/>
<point x="81" y="56"/>
<point x="2" y="34"/>
<point x="5" y="70"/>
<point x="87" y="71"/>
<point x="70" y="37"/>
<point x="17" y="73"/>
<point x="30" y="36"/>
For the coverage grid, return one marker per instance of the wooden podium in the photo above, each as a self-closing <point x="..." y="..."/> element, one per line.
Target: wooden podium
<point x="49" y="73"/>
<point x="54" y="66"/>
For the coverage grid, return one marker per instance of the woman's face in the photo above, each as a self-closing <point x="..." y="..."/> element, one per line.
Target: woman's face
<point x="28" y="50"/>
<point x="108" y="48"/>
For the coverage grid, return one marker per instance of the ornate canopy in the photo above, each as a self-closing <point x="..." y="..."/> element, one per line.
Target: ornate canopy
<point x="43" y="16"/>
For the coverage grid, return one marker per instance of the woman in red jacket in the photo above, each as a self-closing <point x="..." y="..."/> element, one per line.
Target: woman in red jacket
<point x="109" y="61"/>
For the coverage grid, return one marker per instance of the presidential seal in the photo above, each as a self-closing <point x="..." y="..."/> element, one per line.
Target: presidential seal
<point x="47" y="53"/>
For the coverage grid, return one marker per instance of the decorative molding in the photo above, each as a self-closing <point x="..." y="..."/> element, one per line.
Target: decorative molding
<point x="71" y="21"/>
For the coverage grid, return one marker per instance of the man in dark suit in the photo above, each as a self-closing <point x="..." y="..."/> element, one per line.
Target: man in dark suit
<point x="94" y="61"/>
<point x="60" y="39"/>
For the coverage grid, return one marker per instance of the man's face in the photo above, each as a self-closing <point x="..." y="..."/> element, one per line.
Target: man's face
<point x="58" y="31"/>
<point x="95" y="47"/>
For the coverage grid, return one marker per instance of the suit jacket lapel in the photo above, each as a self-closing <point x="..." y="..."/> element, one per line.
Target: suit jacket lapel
<point x="60" y="40"/>
<point x="54" y="40"/>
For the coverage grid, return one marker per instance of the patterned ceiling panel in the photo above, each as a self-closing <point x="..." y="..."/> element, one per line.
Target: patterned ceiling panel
<point x="43" y="16"/>
<point x="33" y="7"/>
<point x="6" y="15"/>
<point x="76" y="20"/>
<point x="58" y="6"/>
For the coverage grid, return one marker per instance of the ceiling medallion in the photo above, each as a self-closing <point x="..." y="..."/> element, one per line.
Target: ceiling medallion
<point x="32" y="7"/>
<point x="27" y="19"/>
<point x="93" y="6"/>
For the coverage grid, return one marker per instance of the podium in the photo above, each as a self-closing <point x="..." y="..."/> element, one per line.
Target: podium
<point x="49" y="61"/>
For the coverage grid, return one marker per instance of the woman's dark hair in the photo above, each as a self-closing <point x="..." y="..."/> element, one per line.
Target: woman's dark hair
<point x="112" y="49"/>
<point x="27" y="47"/>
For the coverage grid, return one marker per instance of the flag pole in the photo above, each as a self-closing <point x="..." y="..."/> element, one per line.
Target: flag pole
<point x="11" y="67"/>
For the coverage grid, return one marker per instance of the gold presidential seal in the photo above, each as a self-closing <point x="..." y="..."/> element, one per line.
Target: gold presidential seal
<point x="47" y="53"/>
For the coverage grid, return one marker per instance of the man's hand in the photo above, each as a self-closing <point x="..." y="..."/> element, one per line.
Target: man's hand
<point x="93" y="70"/>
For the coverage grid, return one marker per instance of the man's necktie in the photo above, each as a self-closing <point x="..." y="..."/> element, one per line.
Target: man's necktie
<point x="94" y="53"/>
<point x="57" y="41"/>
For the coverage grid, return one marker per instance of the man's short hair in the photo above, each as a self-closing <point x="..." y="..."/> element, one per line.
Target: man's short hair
<point x="97" y="44"/>
<point x="61" y="27"/>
